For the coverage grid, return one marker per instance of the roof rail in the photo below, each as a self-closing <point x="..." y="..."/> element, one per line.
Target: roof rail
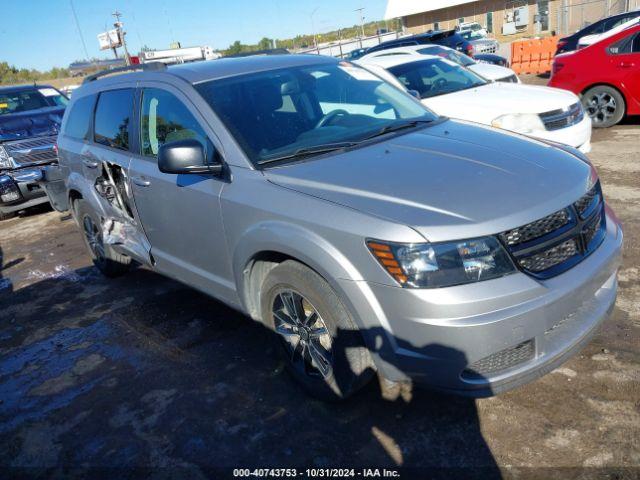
<point x="145" y="67"/>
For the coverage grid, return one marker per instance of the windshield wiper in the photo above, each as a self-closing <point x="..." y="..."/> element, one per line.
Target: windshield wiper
<point x="308" y="151"/>
<point x="394" y="127"/>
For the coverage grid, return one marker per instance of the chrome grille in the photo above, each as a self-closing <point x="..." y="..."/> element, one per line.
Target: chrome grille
<point x="32" y="150"/>
<point x="550" y="257"/>
<point x="562" y="118"/>
<point x="500" y="361"/>
<point x="555" y="243"/>
<point x="536" y="229"/>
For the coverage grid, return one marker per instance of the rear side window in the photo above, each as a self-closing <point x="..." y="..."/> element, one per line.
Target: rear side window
<point x="79" y="119"/>
<point x="629" y="44"/>
<point x="113" y="118"/>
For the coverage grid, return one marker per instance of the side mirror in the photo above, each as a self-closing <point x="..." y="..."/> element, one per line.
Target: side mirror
<point x="414" y="93"/>
<point x="185" y="156"/>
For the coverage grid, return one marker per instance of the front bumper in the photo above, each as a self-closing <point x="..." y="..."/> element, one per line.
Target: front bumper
<point x="577" y="136"/>
<point x="435" y="336"/>
<point x="19" y="189"/>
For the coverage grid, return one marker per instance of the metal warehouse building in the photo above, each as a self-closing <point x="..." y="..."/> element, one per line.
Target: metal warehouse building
<point x="505" y="18"/>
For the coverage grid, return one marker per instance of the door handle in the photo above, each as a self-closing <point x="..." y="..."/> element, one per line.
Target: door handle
<point x="627" y="64"/>
<point x="140" y="181"/>
<point x="89" y="163"/>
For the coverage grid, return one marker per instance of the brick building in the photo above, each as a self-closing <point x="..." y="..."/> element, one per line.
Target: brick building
<point x="505" y="18"/>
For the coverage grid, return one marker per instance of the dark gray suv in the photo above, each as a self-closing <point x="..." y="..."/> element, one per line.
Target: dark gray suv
<point x="367" y="233"/>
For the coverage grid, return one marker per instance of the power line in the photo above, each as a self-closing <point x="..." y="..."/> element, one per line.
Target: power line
<point x="75" y="16"/>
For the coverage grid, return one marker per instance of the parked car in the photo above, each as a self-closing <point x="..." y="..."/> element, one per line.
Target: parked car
<point x="480" y="43"/>
<point x="606" y="75"/>
<point x="364" y="231"/>
<point x="456" y="92"/>
<point x="449" y="38"/>
<point x="474" y="27"/>
<point x="355" y="54"/>
<point x="486" y="70"/>
<point x="570" y="43"/>
<point x="491" y="58"/>
<point x="591" y="39"/>
<point x="30" y="118"/>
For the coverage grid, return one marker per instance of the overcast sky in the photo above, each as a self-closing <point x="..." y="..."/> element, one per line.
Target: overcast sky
<point x="42" y="33"/>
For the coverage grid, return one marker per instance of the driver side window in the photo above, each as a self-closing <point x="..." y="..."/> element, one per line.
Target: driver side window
<point x="166" y="119"/>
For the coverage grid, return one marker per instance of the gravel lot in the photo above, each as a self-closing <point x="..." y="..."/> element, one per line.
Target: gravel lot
<point x="144" y="372"/>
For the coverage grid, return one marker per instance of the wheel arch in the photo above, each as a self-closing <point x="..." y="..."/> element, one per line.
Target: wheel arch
<point x="270" y="243"/>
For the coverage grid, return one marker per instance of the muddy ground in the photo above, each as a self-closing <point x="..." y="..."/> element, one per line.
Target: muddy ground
<point x="142" y="371"/>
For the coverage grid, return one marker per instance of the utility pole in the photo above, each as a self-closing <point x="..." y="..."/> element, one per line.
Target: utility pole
<point x="121" y="34"/>
<point x="360" y="10"/>
<point x="313" y="27"/>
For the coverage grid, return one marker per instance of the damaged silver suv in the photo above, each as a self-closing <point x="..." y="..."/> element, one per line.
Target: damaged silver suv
<point x="368" y="234"/>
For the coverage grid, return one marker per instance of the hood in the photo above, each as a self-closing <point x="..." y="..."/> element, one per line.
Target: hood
<point x="490" y="71"/>
<point x="449" y="181"/>
<point x="483" y="104"/>
<point x="32" y="123"/>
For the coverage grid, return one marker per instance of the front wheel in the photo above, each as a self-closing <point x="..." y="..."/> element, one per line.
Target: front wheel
<point x="110" y="263"/>
<point x="317" y="338"/>
<point x="605" y="105"/>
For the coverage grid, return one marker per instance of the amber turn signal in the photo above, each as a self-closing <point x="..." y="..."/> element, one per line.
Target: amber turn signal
<point x="386" y="258"/>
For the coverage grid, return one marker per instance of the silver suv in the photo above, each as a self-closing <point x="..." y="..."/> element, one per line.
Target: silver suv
<point x="368" y="234"/>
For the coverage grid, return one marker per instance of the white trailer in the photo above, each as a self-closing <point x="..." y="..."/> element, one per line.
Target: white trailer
<point x="179" y="55"/>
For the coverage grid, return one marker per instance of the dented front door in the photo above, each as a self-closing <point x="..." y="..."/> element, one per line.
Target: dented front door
<point x="180" y="214"/>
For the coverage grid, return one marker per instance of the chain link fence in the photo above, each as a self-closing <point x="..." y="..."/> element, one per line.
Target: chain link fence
<point x="572" y="15"/>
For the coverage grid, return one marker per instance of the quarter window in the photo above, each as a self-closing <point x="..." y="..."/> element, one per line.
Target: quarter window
<point x="113" y="117"/>
<point x="166" y="119"/>
<point x="79" y="119"/>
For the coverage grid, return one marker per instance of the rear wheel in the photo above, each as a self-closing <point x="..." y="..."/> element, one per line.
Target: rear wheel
<point x="317" y="338"/>
<point x="605" y="105"/>
<point x="109" y="262"/>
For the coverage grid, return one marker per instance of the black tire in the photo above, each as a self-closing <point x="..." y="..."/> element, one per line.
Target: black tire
<point x="605" y="105"/>
<point x="109" y="262"/>
<point x="351" y="366"/>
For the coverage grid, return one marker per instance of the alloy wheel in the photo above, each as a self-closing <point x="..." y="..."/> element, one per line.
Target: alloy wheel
<point x="94" y="238"/>
<point x="601" y="107"/>
<point x="304" y="334"/>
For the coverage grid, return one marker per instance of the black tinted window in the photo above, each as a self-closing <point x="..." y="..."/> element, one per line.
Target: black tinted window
<point x="113" y="116"/>
<point x="80" y="118"/>
<point x="635" y="46"/>
<point x="166" y="119"/>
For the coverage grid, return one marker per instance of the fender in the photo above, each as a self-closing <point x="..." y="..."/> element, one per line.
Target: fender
<point x="294" y="241"/>
<point x="330" y="263"/>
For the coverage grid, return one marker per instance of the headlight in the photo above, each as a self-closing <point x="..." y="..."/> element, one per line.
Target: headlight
<point x="433" y="265"/>
<point x="5" y="160"/>
<point x="519" y="122"/>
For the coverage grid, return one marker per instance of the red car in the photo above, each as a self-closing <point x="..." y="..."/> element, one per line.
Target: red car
<point x="606" y="75"/>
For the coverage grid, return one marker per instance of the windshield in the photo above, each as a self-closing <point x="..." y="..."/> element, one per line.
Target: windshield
<point x="449" y="54"/>
<point x="470" y="35"/>
<point x="277" y="113"/>
<point x="24" y="100"/>
<point x="434" y="77"/>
